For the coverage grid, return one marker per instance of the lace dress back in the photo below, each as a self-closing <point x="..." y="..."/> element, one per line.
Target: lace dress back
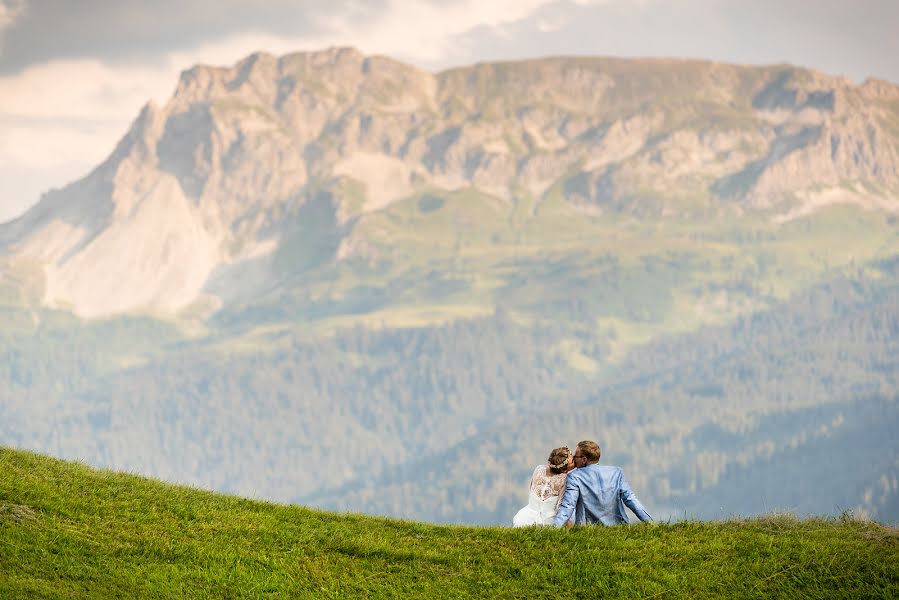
<point x="544" y="496"/>
<point x="546" y="484"/>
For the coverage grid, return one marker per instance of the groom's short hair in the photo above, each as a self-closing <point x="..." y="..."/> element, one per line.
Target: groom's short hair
<point x="590" y="450"/>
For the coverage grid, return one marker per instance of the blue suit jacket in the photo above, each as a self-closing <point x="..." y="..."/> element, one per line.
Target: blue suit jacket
<point x="598" y="494"/>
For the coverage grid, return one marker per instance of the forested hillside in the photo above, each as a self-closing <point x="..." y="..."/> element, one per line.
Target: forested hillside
<point x="340" y="280"/>
<point x="445" y="423"/>
<point x="740" y="419"/>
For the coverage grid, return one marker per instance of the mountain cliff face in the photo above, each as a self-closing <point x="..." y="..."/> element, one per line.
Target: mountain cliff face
<point x="195" y="204"/>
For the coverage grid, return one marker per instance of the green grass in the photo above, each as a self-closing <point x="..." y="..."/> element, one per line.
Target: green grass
<point x="68" y="531"/>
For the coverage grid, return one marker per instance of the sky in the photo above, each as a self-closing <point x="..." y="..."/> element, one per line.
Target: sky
<point x="75" y="73"/>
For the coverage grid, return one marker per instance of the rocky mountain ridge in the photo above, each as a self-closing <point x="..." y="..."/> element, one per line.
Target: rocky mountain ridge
<point x="192" y="206"/>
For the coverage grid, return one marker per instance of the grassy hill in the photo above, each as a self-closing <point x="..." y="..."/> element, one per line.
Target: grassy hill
<point x="70" y="531"/>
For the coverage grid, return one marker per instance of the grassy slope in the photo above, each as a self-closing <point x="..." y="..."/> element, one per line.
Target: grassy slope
<point x="642" y="278"/>
<point x="70" y="531"/>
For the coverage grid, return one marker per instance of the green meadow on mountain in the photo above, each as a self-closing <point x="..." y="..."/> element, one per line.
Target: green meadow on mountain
<point x="420" y="283"/>
<point x="70" y="531"/>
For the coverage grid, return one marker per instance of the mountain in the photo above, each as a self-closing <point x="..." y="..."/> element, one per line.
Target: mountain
<point x="209" y="199"/>
<point x="341" y="264"/>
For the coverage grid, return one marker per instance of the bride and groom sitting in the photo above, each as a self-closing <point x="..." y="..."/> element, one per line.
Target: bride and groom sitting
<point x="574" y="487"/>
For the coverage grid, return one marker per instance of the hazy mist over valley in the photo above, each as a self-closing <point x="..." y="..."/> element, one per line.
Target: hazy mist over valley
<point x="342" y="280"/>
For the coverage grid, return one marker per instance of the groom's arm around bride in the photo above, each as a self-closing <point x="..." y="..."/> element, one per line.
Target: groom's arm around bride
<point x="597" y="493"/>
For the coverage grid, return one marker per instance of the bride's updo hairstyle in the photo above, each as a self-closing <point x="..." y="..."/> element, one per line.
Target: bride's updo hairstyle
<point x="558" y="459"/>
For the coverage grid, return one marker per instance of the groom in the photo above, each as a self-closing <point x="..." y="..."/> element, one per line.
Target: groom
<point x="596" y="494"/>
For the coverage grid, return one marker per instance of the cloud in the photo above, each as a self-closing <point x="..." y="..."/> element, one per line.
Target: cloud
<point x="22" y="186"/>
<point x="86" y="89"/>
<point x="56" y="143"/>
<point x="71" y="96"/>
<point x="59" y="120"/>
<point x="75" y="74"/>
<point x="428" y="32"/>
<point x="10" y="12"/>
<point x="142" y="30"/>
<point x="424" y="33"/>
<point x="68" y="115"/>
<point x="109" y="86"/>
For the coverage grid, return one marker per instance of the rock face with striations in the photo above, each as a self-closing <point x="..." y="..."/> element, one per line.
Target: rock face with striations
<point x="192" y="204"/>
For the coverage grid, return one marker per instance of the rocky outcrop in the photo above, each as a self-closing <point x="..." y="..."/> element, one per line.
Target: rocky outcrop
<point x="203" y="190"/>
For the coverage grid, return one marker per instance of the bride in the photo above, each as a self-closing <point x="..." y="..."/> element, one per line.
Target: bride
<point x="546" y="489"/>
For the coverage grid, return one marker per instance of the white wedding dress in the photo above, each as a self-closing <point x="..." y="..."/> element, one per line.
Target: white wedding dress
<point x="544" y="495"/>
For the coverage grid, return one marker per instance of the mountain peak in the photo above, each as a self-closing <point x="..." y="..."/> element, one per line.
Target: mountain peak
<point x="198" y="188"/>
<point x="880" y="89"/>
